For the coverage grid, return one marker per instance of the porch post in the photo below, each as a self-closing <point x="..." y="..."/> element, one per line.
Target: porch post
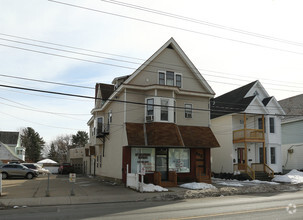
<point x="264" y="152"/>
<point x="245" y="144"/>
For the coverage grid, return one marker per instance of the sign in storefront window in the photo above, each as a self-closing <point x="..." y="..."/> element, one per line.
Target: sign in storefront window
<point x="143" y="157"/>
<point x="179" y="160"/>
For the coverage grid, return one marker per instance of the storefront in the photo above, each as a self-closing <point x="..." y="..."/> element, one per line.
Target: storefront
<point x="170" y="154"/>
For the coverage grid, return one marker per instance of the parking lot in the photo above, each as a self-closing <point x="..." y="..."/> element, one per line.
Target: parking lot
<point x="59" y="186"/>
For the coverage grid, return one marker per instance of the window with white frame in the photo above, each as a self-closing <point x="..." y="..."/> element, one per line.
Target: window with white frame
<point x="272" y="125"/>
<point x="110" y="117"/>
<point x="188" y="110"/>
<point x="161" y="78"/>
<point x="178" y="80"/>
<point x="273" y="155"/>
<point x="160" y="109"/>
<point x="150" y="107"/>
<point x="164" y="110"/>
<point x="170" y="78"/>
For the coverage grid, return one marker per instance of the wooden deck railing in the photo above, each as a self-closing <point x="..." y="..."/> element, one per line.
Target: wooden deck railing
<point x="241" y="167"/>
<point x="248" y="135"/>
<point x="260" y="167"/>
<point x="268" y="170"/>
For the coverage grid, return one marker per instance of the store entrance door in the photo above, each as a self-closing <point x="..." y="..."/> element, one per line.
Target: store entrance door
<point x="162" y="163"/>
<point x="200" y="165"/>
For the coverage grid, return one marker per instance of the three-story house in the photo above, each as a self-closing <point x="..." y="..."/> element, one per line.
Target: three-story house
<point x="157" y="118"/>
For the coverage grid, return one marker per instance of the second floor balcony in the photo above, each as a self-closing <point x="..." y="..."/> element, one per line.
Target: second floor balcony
<point x="248" y="135"/>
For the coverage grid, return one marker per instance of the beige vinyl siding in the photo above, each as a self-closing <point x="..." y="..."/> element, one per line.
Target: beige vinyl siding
<point x="168" y="60"/>
<point x="111" y="162"/>
<point x="221" y="158"/>
<point x="199" y="117"/>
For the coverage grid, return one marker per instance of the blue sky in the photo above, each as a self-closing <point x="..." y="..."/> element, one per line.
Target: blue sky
<point x="227" y="59"/>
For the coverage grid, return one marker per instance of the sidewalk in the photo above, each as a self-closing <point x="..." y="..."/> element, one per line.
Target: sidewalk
<point x="21" y="192"/>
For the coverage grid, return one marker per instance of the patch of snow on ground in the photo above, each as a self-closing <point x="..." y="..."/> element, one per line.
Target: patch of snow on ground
<point x="261" y="182"/>
<point x="293" y="177"/>
<point x="153" y="188"/>
<point x="230" y="184"/>
<point x="238" y="183"/>
<point x="195" y="185"/>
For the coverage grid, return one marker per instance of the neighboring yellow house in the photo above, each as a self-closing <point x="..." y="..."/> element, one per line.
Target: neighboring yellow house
<point x="157" y="118"/>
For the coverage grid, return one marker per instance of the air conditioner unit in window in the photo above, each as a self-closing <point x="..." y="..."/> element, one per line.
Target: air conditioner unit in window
<point x="149" y="118"/>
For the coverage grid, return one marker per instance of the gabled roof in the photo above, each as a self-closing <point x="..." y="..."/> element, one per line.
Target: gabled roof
<point x="9" y="137"/>
<point x="105" y="89"/>
<point x="158" y="134"/>
<point x="232" y="102"/>
<point x="239" y="99"/>
<point x="171" y="43"/>
<point x="292" y="107"/>
<point x="13" y="154"/>
<point x="266" y="100"/>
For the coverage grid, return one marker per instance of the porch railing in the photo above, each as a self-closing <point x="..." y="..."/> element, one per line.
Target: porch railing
<point x="242" y="168"/>
<point x="260" y="167"/>
<point x="251" y="173"/>
<point x="268" y="170"/>
<point x="248" y="135"/>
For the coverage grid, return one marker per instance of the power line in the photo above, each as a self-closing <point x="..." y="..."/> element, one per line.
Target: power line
<point x="125" y="67"/>
<point x="228" y="110"/>
<point x="177" y="28"/>
<point x="15" y="117"/>
<point x="37" y="110"/>
<point x="184" y="18"/>
<point x="49" y="82"/>
<point x="157" y="62"/>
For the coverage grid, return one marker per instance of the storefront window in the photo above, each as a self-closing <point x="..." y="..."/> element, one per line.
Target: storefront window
<point x="179" y="160"/>
<point x="143" y="157"/>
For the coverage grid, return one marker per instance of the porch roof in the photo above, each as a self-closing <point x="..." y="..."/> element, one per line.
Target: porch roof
<point x="169" y="135"/>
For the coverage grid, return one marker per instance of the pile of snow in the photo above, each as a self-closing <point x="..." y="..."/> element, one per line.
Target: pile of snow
<point x="230" y="184"/>
<point x="238" y="183"/>
<point x="293" y="177"/>
<point x="153" y="188"/>
<point x="261" y="182"/>
<point x="195" y="185"/>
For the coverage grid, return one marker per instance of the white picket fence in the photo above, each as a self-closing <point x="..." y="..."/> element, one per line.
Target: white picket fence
<point x="132" y="179"/>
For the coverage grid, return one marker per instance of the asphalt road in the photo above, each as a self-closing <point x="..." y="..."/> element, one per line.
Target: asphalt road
<point x="263" y="206"/>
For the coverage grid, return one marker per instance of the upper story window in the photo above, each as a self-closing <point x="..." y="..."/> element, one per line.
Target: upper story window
<point x="272" y="125"/>
<point x="164" y="110"/>
<point x="160" y="109"/>
<point x="110" y="117"/>
<point x="188" y="110"/>
<point x="170" y="78"/>
<point x="161" y="78"/>
<point x="150" y="107"/>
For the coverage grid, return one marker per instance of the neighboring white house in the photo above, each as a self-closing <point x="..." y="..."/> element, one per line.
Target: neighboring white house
<point x="292" y="133"/>
<point x="13" y="142"/>
<point x="237" y="122"/>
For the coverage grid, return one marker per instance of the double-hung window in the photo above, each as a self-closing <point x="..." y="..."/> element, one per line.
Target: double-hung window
<point x="170" y="78"/>
<point x="150" y="107"/>
<point x="273" y="155"/>
<point x="188" y="110"/>
<point x="272" y="125"/>
<point x="164" y="110"/>
<point x="178" y="80"/>
<point x="161" y="78"/>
